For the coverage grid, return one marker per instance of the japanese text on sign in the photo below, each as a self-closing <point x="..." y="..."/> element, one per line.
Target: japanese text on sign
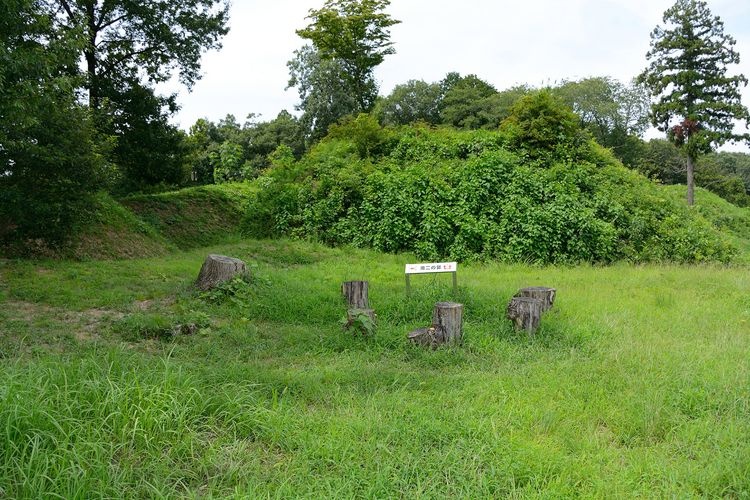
<point x="431" y="267"/>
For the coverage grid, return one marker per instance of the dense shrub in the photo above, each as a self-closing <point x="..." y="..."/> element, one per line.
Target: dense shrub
<point x="478" y="195"/>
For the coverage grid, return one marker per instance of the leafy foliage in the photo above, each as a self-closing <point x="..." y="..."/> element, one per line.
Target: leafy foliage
<point x="355" y="34"/>
<point x="50" y="156"/>
<point x="149" y="150"/>
<point x="360" y="323"/>
<point x="540" y="123"/>
<point x="697" y="102"/>
<point x="324" y="90"/>
<point x="227" y="151"/>
<point x="464" y="100"/>
<point x="126" y="48"/>
<point x="616" y="114"/>
<point x="471" y="195"/>
<point x="413" y="101"/>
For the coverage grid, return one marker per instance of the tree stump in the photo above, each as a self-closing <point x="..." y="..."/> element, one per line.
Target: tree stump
<point x="526" y="313"/>
<point x="424" y="336"/>
<point x="355" y="293"/>
<point x="447" y="326"/>
<point x="217" y="269"/>
<point x="362" y="320"/>
<point x="447" y="320"/>
<point x="543" y="293"/>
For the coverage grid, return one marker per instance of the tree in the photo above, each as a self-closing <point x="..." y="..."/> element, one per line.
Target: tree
<point x="325" y="91"/>
<point x="463" y="100"/>
<point x="616" y="114"/>
<point x="230" y="152"/>
<point x="50" y="157"/>
<point x="354" y="33"/>
<point x="697" y="102"/>
<point x="202" y="140"/>
<point x="540" y="125"/>
<point x="127" y="48"/>
<point x="734" y="163"/>
<point x="264" y="138"/>
<point x="141" y="41"/>
<point x="413" y="101"/>
<point x="149" y="150"/>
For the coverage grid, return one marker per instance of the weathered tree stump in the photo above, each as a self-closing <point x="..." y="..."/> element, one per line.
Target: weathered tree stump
<point x="424" y="336"/>
<point x="217" y="269"/>
<point x="447" y="320"/>
<point x="447" y="326"/>
<point x="526" y="313"/>
<point x="543" y="293"/>
<point x="355" y="293"/>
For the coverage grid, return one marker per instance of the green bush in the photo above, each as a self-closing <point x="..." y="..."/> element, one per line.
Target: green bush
<point x="480" y="195"/>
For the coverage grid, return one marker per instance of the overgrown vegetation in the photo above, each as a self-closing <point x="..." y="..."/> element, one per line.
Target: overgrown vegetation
<point x="536" y="191"/>
<point x="630" y="387"/>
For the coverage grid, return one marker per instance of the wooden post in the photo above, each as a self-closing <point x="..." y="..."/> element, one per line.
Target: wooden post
<point x="355" y="293"/>
<point x="217" y="269"/>
<point x="526" y="313"/>
<point x="543" y="293"/>
<point x="447" y="320"/>
<point x="455" y="283"/>
<point x="408" y="286"/>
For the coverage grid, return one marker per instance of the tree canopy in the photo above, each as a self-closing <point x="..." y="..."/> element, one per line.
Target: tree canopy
<point x="697" y="103"/>
<point x="50" y="159"/>
<point x="354" y="33"/>
<point x="141" y="41"/>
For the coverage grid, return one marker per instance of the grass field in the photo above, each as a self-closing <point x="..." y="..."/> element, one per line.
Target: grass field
<point x="637" y="384"/>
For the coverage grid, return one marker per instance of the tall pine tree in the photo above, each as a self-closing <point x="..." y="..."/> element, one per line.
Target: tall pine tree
<point x="696" y="102"/>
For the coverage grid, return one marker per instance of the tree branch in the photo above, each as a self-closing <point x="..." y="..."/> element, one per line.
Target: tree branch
<point x="110" y="66"/>
<point x="66" y="6"/>
<point x="103" y="25"/>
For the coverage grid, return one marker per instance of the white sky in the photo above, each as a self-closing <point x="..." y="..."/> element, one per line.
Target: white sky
<point x="503" y="42"/>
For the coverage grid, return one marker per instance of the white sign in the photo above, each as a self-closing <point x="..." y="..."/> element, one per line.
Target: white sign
<point x="431" y="267"/>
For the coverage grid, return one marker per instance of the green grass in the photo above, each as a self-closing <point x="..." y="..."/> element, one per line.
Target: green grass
<point x="730" y="219"/>
<point x="637" y="384"/>
<point x="194" y="217"/>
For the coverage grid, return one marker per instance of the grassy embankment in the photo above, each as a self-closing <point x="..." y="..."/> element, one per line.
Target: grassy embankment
<point x="637" y="384"/>
<point x="154" y="225"/>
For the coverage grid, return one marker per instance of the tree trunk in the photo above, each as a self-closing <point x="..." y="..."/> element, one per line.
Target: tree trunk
<point x="447" y="320"/>
<point x="526" y="313"/>
<point x="690" y="180"/>
<point x="217" y="269"/>
<point x="90" y="55"/>
<point x="543" y="293"/>
<point x="355" y="293"/>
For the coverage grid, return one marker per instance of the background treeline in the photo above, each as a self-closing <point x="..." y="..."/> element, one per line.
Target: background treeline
<point x="80" y="114"/>
<point x="536" y="189"/>
<point x="79" y="110"/>
<point x="613" y="113"/>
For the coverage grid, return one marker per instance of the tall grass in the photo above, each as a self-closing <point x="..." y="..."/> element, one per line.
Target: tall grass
<point x="637" y="384"/>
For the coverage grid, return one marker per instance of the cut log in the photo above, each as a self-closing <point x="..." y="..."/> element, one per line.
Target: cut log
<point x="355" y="293"/>
<point x="526" y="313"/>
<point x="447" y="320"/>
<point x="543" y="293"/>
<point x="362" y="320"/>
<point x="217" y="269"/>
<point x="424" y="337"/>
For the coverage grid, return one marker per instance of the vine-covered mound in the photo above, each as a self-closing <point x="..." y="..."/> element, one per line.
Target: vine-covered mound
<point x="477" y="195"/>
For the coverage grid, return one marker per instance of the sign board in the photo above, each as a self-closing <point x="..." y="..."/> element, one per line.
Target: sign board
<point x="431" y="267"/>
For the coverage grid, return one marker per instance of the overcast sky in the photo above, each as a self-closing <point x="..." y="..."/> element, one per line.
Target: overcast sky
<point x="503" y="42"/>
